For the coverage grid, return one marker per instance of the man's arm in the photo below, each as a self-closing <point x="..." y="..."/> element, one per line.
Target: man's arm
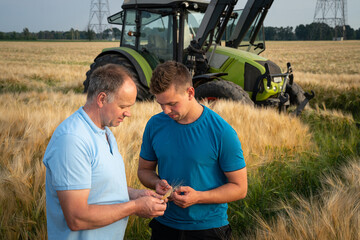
<point x="138" y="193"/>
<point x="235" y="189"/>
<point x="149" y="178"/>
<point x="80" y="215"/>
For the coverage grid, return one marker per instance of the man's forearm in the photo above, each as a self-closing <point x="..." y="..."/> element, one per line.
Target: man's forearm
<point x="235" y="189"/>
<point x="80" y="215"/>
<point x="226" y="193"/>
<point x="148" y="178"/>
<point x="133" y="193"/>
<point x="96" y="216"/>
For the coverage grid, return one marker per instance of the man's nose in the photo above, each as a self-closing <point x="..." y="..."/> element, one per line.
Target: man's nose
<point x="127" y="113"/>
<point x="166" y="109"/>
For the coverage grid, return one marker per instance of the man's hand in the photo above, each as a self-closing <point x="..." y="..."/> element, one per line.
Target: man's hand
<point x="138" y="193"/>
<point x="150" y="207"/>
<point x="235" y="189"/>
<point x="162" y="187"/>
<point x="185" y="197"/>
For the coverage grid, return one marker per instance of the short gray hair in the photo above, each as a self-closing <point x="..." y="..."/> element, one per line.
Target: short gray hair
<point x="107" y="79"/>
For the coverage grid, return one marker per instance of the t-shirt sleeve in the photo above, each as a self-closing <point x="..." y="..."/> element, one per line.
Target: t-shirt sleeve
<point x="69" y="163"/>
<point x="147" y="151"/>
<point x="231" y="156"/>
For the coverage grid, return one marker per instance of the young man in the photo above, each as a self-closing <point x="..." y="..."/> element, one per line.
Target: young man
<point x="86" y="191"/>
<point x="194" y="147"/>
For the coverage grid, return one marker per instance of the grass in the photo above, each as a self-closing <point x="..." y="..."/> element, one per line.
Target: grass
<point x="332" y="214"/>
<point x="337" y="140"/>
<point x="290" y="160"/>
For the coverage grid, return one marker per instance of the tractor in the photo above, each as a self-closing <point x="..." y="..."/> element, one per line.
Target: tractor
<point x="219" y="45"/>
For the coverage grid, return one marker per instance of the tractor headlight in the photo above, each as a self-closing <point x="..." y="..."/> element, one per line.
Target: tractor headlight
<point x="274" y="88"/>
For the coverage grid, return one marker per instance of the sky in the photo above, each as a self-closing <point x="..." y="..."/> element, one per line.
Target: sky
<point x="62" y="15"/>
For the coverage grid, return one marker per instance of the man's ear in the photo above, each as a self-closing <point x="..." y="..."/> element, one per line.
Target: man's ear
<point x="191" y="92"/>
<point x="101" y="99"/>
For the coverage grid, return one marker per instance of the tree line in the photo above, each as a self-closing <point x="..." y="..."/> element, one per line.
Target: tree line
<point x="72" y="34"/>
<point x="313" y="31"/>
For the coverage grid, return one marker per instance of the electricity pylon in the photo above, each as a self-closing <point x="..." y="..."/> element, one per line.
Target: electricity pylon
<point x="333" y="13"/>
<point x="99" y="11"/>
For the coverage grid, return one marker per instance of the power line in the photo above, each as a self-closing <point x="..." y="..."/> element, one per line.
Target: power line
<point x="99" y="11"/>
<point x="333" y="13"/>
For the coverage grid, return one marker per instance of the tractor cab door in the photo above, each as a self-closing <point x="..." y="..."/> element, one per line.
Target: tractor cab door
<point x="148" y="31"/>
<point x="157" y="37"/>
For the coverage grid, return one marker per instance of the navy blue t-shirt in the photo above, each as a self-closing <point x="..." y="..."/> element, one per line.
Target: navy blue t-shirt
<point x="195" y="155"/>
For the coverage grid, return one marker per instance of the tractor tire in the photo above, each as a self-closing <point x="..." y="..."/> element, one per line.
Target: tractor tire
<point x="296" y="93"/>
<point x="222" y="89"/>
<point x="143" y="93"/>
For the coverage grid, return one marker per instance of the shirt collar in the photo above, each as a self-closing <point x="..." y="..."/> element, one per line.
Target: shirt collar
<point x="90" y="122"/>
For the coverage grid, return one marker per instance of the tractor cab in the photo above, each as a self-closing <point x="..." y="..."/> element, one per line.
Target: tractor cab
<point x="160" y="31"/>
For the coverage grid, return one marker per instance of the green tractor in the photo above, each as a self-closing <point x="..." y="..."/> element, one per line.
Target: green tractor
<point x="218" y="44"/>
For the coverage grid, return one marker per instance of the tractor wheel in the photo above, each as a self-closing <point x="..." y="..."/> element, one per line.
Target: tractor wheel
<point x="222" y="89"/>
<point x="296" y="94"/>
<point x="142" y="91"/>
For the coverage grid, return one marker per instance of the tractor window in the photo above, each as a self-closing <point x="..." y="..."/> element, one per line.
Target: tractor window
<point x="258" y="45"/>
<point x="156" y="36"/>
<point x="232" y="23"/>
<point x="129" y="28"/>
<point x="117" y="18"/>
<point x="192" y="24"/>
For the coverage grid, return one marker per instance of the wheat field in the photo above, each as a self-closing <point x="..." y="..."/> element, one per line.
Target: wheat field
<point x="324" y="64"/>
<point x="334" y="214"/>
<point x="40" y="85"/>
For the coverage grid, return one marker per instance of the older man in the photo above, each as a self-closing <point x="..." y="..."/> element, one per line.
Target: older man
<point x="87" y="196"/>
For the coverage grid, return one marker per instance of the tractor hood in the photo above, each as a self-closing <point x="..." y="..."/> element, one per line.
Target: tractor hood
<point x="242" y="68"/>
<point x="225" y="58"/>
<point x="223" y="55"/>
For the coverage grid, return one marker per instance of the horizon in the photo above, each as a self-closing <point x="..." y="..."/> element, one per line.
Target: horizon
<point x="43" y="15"/>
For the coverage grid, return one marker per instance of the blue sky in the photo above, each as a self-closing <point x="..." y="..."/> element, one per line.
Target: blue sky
<point x="40" y="15"/>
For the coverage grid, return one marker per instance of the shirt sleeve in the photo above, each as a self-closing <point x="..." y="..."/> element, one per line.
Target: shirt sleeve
<point x="69" y="163"/>
<point x="147" y="151"/>
<point x="231" y="156"/>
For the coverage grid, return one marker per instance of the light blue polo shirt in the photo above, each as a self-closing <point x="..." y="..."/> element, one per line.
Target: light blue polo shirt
<point x="79" y="156"/>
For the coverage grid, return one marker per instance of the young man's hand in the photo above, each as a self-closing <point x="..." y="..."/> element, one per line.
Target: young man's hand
<point x="185" y="197"/>
<point x="162" y="187"/>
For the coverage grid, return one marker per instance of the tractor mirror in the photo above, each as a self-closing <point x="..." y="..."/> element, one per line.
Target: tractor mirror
<point x="259" y="45"/>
